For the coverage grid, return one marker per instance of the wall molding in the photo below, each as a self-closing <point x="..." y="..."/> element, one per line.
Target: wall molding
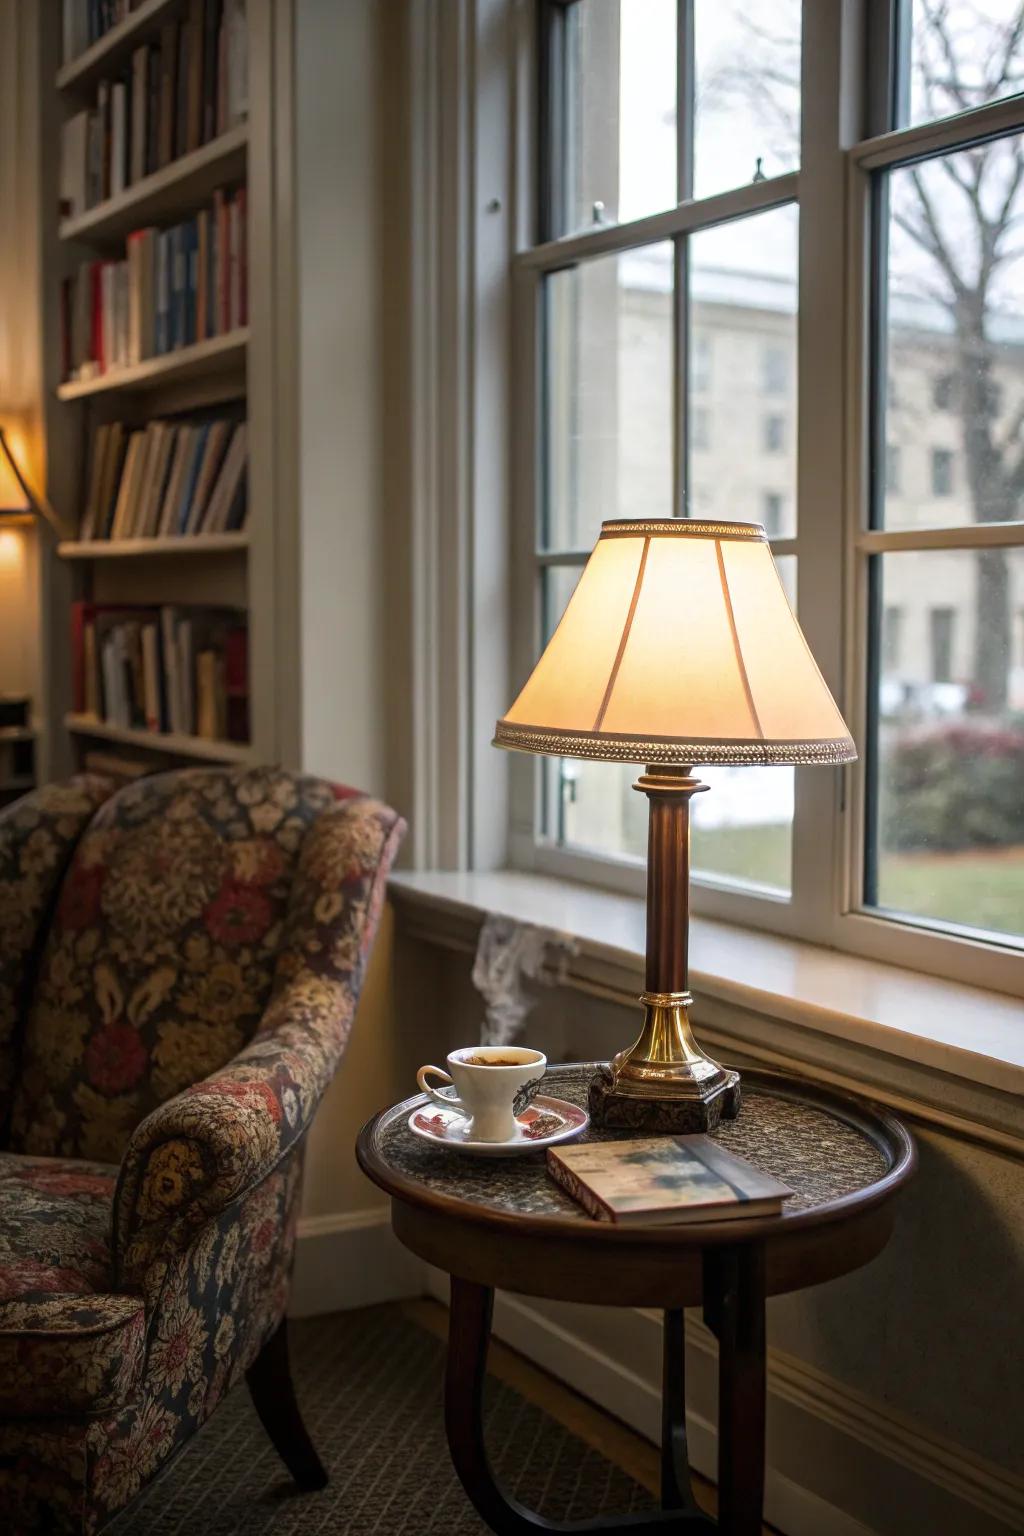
<point x="350" y="1259"/>
<point x="931" y="1477"/>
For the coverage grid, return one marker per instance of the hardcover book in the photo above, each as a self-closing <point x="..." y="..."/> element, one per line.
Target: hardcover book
<point x="664" y="1180"/>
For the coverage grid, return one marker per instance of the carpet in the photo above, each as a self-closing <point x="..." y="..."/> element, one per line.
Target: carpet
<point x="370" y="1386"/>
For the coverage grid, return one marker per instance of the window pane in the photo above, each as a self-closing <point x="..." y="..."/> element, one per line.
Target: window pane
<point x="742" y="827"/>
<point x="747" y="63"/>
<point x="952" y="346"/>
<point x="608" y="405"/>
<point x="947" y="764"/>
<point x="620" y="110"/>
<point x="743" y="290"/>
<point x="961" y="56"/>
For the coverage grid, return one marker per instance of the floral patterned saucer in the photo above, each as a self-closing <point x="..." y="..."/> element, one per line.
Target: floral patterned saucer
<point x="546" y="1122"/>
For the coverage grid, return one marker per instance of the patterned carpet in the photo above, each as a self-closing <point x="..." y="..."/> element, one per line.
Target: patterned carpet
<point x="370" y="1387"/>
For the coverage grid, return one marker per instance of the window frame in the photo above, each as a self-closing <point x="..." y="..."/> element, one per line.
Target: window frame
<point x="845" y="140"/>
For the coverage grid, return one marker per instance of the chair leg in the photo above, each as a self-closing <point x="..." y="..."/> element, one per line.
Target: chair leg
<point x="273" y="1395"/>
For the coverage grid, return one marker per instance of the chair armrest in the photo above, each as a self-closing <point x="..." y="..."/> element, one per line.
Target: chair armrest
<point x="202" y="1150"/>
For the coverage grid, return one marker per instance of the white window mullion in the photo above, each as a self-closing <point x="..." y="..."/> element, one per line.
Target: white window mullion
<point x="831" y="120"/>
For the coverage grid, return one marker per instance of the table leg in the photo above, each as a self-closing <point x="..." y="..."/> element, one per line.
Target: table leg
<point x="734" y="1309"/>
<point x="676" y="1489"/>
<point x="469" y="1328"/>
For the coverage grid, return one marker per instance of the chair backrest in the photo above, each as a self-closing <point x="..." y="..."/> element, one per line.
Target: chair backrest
<point x="38" y="835"/>
<point x="160" y="957"/>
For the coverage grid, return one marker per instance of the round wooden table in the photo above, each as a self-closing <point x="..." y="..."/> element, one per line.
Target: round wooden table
<point x="504" y="1224"/>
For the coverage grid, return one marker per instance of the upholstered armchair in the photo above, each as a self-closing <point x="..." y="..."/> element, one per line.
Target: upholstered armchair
<point x="179" y="966"/>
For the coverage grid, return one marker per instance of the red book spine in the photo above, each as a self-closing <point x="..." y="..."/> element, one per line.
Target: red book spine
<point x="80" y="612"/>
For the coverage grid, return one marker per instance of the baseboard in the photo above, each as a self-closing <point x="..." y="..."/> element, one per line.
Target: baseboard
<point x="351" y="1259"/>
<point x="877" y="1473"/>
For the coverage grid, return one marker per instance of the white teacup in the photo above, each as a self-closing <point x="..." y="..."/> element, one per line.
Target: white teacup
<point x="493" y="1082"/>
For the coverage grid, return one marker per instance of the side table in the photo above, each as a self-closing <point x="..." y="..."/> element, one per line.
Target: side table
<point x="504" y="1224"/>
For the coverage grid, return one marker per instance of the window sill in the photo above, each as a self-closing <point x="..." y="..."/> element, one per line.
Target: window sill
<point x="941" y="1051"/>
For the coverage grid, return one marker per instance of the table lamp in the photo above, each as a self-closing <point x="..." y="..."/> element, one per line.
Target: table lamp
<point x="678" y="648"/>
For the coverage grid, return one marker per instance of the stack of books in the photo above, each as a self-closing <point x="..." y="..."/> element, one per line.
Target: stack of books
<point x="170" y="479"/>
<point x="174" y="287"/>
<point x="175" y="96"/>
<point x="172" y="668"/>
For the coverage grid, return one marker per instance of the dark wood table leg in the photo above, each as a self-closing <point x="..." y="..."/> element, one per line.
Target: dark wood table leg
<point x="734" y="1308"/>
<point x="676" y="1488"/>
<point x="469" y="1329"/>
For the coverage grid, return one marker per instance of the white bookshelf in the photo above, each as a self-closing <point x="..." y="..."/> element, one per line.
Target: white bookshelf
<point x="171" y="742"/>
<point x="252" y="364"/>
<point x="176" y="189"/>
<point x="115" y="46"/>
<point x="219" y="355"/>
<point x="190" y="545"/>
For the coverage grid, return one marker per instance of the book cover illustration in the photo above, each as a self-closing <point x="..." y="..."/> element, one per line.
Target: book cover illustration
<point x="664" y="1179"/>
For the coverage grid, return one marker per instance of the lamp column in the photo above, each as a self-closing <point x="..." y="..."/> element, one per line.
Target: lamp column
<point x="664" y="1082"/>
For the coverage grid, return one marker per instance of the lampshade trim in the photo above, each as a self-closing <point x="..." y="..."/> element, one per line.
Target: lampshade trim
<point x="624" y="748"/>
<point x="682" y="527"/>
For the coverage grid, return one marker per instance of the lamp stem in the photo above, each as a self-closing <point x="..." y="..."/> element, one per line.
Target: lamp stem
<point x="669" y="792"/>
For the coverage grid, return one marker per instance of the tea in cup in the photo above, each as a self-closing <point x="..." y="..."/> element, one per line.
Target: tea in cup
<point x="493" y="1084"/>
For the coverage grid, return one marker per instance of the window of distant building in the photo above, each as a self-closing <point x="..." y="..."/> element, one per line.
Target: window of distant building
<point x="774" y="434"/>
<point x="892" y="638"/>
<point x="942" y="623"/>
<point x="893" y="465"/>
<point x="700" y="428"/>
<point x="771" y="513"/>
<point x="942" y="472"/>
<point x="774" y="370"/>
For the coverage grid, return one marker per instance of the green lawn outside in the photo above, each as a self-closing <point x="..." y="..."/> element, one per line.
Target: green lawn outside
<point x="978" y="890"/>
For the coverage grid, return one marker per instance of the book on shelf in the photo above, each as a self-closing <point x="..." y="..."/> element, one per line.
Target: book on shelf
<point x="169" y="479"/>
<point x="664" y="1181"/>
<point x="175" y="93"/>
<point x="173" y="287"/>
<point x="173" y="668"/>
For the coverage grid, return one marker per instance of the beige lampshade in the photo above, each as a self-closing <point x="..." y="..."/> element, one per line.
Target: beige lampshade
<point x="678" y="646"/>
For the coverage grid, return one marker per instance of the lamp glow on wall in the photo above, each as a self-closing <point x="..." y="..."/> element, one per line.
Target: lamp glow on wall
<point x="677" y="648"/>
<point x="18" y="501"/>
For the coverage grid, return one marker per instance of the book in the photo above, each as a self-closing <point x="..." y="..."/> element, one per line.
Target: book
<point x="160" y="669"/>
<point x="664" y="1181"/>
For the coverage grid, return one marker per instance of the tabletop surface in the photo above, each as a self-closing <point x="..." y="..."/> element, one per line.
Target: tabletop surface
<point x="796" y="1133"/>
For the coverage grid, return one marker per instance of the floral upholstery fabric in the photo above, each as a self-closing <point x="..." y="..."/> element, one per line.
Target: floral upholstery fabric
<point x="38" y="835"/>
<point x="66" y="1344"/>
<point x="192" y="1001"/>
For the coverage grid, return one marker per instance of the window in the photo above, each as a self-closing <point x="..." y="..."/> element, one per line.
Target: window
<point x="944" y="796"/>
<point x="940" y="623"/>
<point x="700" y="368"/>
<point x="774" y="371"/>
<point x="942" y="472"/>
<point x="942" y="392"/>
<point x="892" y="640"/>
<point x="677" y="306"/>
<point x="893" y="464"/>
<point x="771" y="513"/>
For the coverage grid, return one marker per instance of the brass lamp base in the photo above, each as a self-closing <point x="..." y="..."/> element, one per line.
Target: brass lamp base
<point x="664" y="1082"/>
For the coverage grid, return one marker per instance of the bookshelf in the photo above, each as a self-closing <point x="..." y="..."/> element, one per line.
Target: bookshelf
<point x="198" y="544"/>
<point x="220" y="356"/>
<point x="167" y="193"/>
<point x="174" y="743"/>
<point x="238" y="374"/>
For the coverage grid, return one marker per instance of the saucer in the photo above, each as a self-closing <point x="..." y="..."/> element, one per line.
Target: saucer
<point x="545" y="1123"/>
